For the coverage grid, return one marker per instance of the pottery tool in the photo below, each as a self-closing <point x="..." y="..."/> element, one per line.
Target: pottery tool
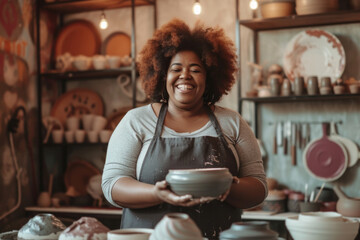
<point x="293" y="144"/>
<point x="275" y="139"/>
<point x="318" y="194"/>
<point x="306" y="192"/>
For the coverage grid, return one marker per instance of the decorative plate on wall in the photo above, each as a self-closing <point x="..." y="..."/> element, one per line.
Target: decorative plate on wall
<point x="117" y="44"/>
<point x="79" y="37"/>
<point x="314" y="52"/>
<point x="77" y="102"/>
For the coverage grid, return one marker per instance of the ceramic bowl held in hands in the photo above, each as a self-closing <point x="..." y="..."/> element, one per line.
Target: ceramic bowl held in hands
<point x="199" y="182"/>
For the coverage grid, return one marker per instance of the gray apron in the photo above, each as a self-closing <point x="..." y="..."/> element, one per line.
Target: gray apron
<point x="184" y="153"/>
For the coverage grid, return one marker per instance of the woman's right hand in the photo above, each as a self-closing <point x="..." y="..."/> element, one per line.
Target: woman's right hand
<point x="163" y="192"/>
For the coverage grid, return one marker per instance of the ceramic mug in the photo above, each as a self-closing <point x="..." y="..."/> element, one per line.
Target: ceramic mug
<point x="80" y="136"/>
<point x="325" y="82"/>
<point x="57" y="135"/>
<point x="105" y="135"/>
<point x="70" y="136"/>
<point x="286" y="87"/>
<point x="130" y="233"/>
<point x="275" y="86"/>
<point x="299" y="86"/>
<point x="92" y="136"/>
<point x="312" y="85"/>
<point x="72" y="123"/>
<point x="99" y="123"/>
<point x="310" y="206"/>
<point x="87" y="121"/>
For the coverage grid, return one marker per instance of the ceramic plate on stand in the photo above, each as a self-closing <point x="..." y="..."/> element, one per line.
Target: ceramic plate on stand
<point x="314" y="52"/>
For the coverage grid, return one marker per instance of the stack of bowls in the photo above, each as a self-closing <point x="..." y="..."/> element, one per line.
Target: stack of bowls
<point x="322" y="226"/>
<point x="304" y="7"/>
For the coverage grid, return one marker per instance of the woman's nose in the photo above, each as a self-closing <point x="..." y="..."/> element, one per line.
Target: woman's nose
<point x="185" y="74"/>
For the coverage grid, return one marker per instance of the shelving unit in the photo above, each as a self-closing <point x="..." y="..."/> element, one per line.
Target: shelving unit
<point x="295" y="21"/>
<point x="64" y="7"/>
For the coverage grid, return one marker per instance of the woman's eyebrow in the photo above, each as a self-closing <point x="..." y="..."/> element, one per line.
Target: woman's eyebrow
<point x="191" y="65"/>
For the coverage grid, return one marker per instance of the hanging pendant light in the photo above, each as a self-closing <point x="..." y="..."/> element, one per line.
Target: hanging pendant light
<point x="103" y="24"/>
<point x="196" y="7"/>
<point x="253" y="4"/>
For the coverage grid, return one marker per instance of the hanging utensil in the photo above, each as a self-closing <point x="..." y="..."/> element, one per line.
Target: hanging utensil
<point x="279" y="134"/>
<point x="350" y="147"/>
<point x="287" y="136"/>
<point x="325" y="159"/>
<point x="275" y="139"/>
<point x="293" y="143"/>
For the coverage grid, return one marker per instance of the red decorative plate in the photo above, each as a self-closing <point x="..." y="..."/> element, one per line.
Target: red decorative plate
<point x="79" y="37"/>
<point x="117" y="44"/>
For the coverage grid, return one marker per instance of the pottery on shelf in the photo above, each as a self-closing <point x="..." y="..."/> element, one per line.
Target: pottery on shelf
<point x="202" y="182"/>
<point x="249" y="230"/>
<point x="176" y="226"/>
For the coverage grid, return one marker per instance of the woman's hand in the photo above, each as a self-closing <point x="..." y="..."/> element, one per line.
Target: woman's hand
<point x="163" y="192"/>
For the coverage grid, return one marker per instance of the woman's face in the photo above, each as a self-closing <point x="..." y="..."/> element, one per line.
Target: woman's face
<point x="185" y="82"/>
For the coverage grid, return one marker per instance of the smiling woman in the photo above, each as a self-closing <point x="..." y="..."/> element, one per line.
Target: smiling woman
<point x="184" y="72"/>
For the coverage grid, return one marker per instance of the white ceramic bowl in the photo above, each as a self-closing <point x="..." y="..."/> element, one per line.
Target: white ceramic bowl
<point x="320" y="216"/>
<point x="130" y="234"/>
<point x="322" y="230"/>
<point x="201" y="182"/>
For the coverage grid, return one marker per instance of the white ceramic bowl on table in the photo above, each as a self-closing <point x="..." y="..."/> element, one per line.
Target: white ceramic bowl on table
<point x="130" y="234"/>
<point x="200" y="182"/>
<point x="321" y="226"/>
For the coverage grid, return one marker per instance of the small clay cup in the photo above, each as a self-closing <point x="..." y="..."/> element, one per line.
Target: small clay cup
<point x="286" y="87"/>
<point x="339" y="89"/>
<point x="275" y="86"/>
<point x="325" y="82"/>
<point x="299" y="86"/>
<point x="310" y="206"/>
<point x="354" y="88"/>
<point x="312" y="85"/>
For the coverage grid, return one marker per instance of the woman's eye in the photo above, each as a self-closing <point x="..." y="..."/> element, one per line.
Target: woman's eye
<point x="176" y="69"/>
<point x="195" y="70"/>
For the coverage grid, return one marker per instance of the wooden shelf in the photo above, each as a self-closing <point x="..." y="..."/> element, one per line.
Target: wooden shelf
<point x="85" y="210"/>
<point x="92" y="74"/>
<point x="295" y="21"/>
<point x="304" y="98"/>
<point x="75" y="6"/>
<point x="75" y="144"/>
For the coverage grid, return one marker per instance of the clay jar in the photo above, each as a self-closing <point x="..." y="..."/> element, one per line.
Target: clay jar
<point x="312" y="85"/>
<point x="249" y="230"/>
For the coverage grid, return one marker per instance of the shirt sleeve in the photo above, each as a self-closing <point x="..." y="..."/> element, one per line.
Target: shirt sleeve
<point x="247" y="148"/>
<point x="122" y="153"/>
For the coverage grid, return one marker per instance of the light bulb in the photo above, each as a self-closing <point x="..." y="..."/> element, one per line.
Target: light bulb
<point x="196" y="8"/>
<point x="253" y="4"/>
<point x="103" y="22"/>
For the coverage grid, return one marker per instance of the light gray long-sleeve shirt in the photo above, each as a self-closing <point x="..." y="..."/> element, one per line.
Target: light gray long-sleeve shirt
<point x="131" y="138"/>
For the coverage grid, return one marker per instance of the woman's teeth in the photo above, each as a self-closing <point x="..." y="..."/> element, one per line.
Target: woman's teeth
<point x="185" y="87"/>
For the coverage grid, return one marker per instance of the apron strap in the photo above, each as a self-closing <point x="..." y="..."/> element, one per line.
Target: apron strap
<point x="216" y="124"/>
<point x="160" y="121"/>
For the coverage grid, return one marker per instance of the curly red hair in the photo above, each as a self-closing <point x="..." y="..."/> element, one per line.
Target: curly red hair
<point x="214" y="48"/>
